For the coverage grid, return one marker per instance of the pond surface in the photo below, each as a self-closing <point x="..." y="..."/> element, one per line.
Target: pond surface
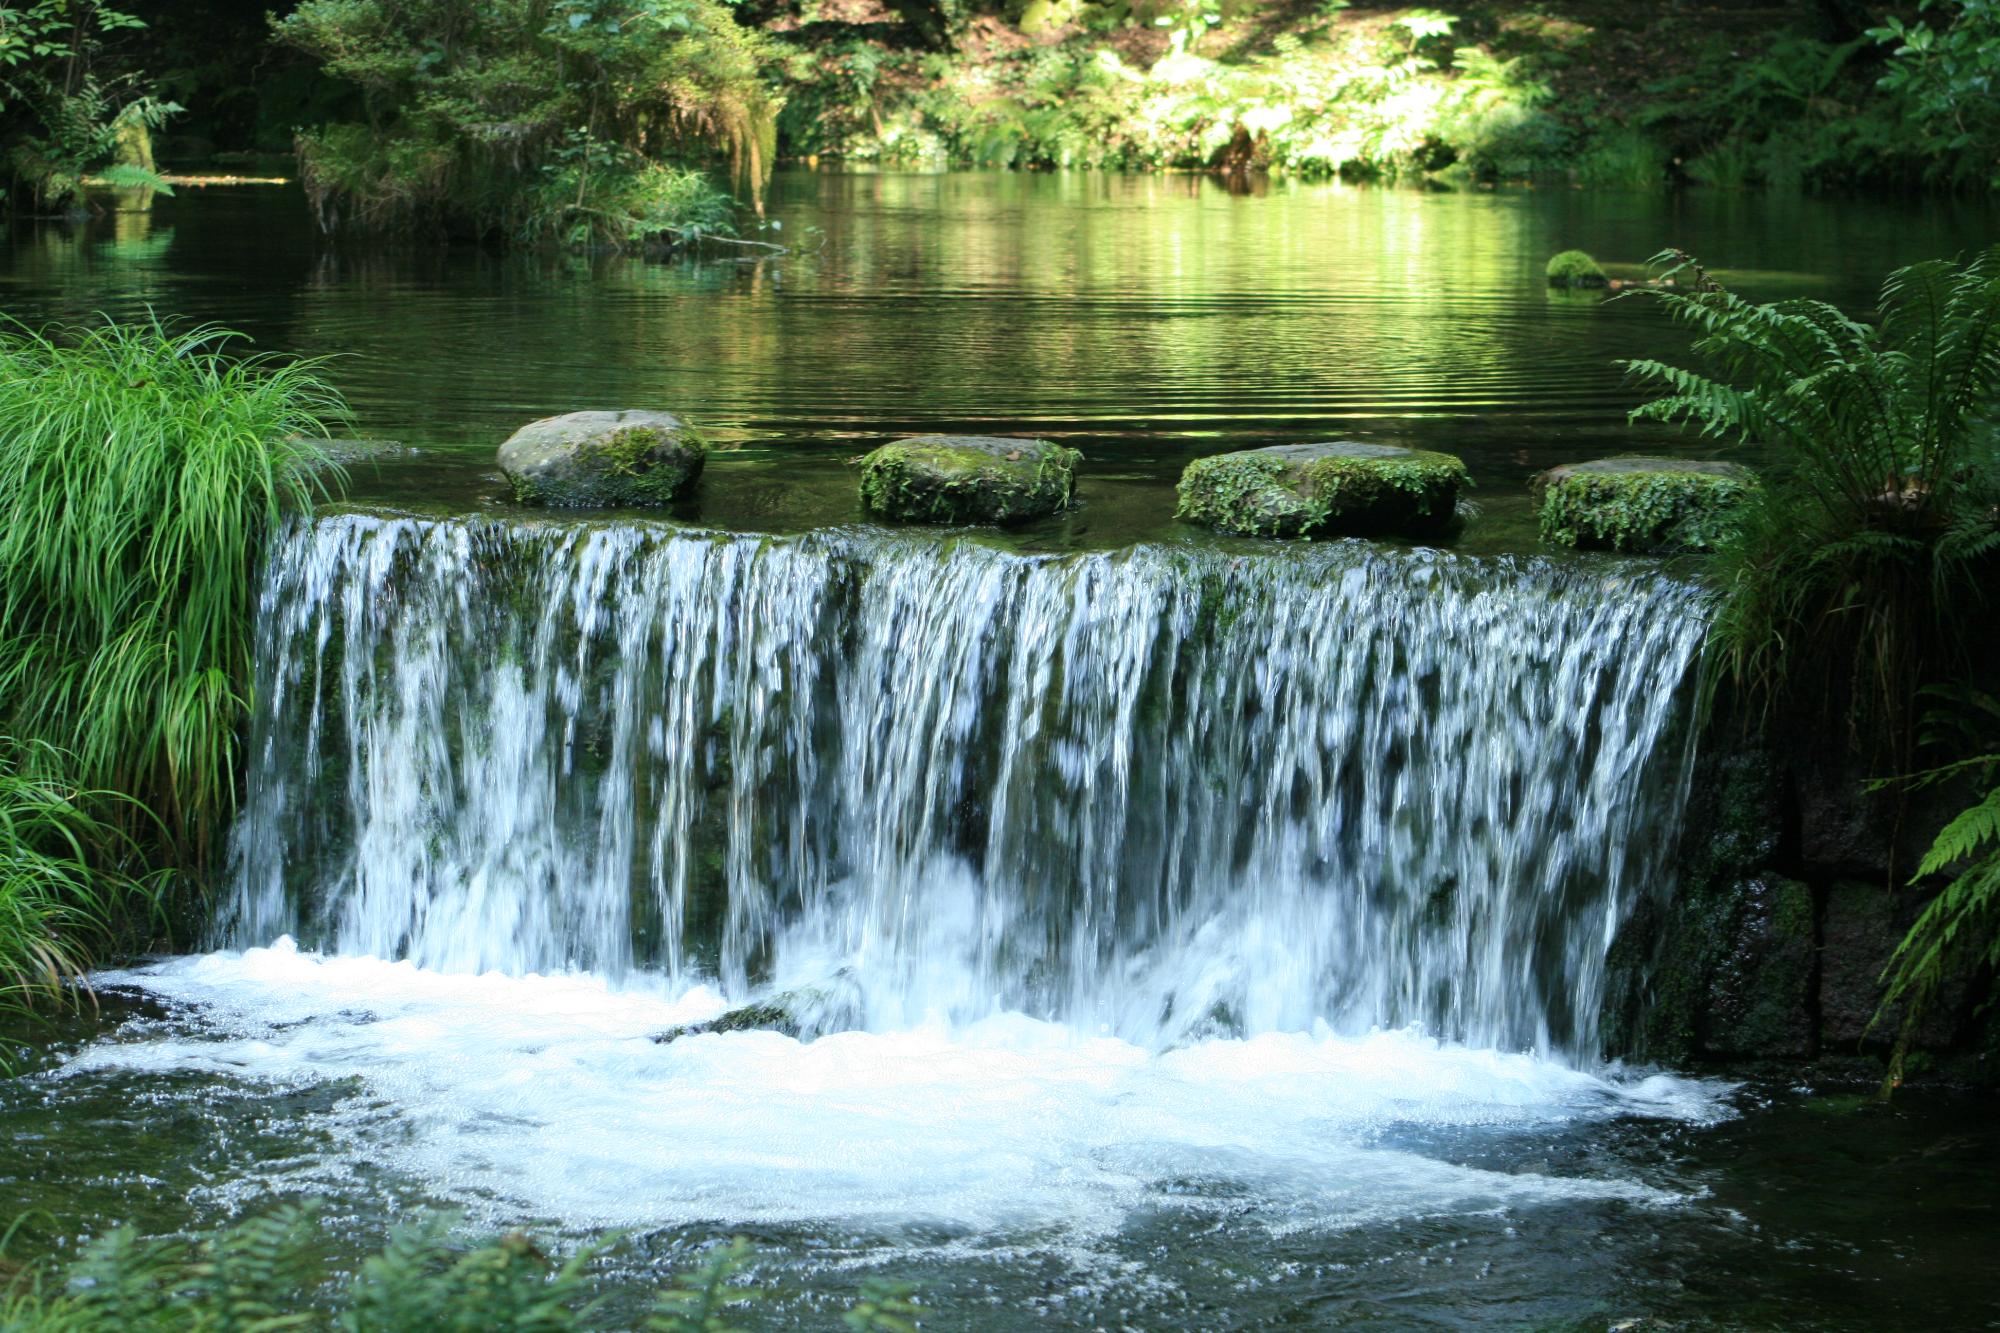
<point x="1029" y="1168"/>
<point x="1143" y="319"/>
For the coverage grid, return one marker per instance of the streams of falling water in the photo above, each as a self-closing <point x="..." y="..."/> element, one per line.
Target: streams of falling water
<point x="1160" y="792"/>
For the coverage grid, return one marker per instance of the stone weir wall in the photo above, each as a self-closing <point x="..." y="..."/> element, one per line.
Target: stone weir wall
<point x="1793" y="893"/>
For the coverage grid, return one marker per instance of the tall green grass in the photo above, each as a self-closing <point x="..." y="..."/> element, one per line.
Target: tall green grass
<point x="53" y="904"/>
<point x="140" y="469"/>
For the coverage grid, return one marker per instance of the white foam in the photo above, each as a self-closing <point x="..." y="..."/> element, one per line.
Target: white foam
<point x="546" y="1096"/>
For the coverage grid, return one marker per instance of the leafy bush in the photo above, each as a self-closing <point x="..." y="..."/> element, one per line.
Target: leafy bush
<point x="1865" y="568"/>
<point x="265" y="1273"/>
<point x="1947" y="79"/>
<point x="61" y="117"/>
<point x="532" y="120"/>
<point x="1388" y="99"/>
<point x="139" y="472"/>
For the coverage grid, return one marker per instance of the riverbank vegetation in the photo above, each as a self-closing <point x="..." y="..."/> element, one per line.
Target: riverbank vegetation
<point x="140" y="470"/>
<point x="72" y="104"/>
<point x="606" y="123"/>
<point x="1858" y="615"/>
<point x="269" y="1272"/>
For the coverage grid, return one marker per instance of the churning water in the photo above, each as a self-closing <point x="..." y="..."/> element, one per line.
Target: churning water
<point x="1177" y="878"/>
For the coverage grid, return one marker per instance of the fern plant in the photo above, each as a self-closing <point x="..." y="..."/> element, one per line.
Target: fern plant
<point x="265" y="1274"/>
<point x="1860" y="575"/>
<point x="1961" y="925"/>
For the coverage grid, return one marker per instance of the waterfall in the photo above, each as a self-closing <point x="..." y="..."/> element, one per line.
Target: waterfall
<point x="1159" y="793"/>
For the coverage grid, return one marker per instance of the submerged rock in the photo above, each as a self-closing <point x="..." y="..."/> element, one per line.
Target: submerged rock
<point x="968" y="479"/>
<point x="603" y="459"/>
<point x="1658" y="506"/>
<point x="1574" y="268"/>
<point x="802" y="1013"/>
<point x="1307" y="490"/>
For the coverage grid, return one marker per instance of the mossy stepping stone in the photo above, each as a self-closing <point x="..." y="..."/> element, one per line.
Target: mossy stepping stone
<point x="1657" y="506"/>
<point x="603" y="459"/>
<point x="1331" y="489"/>
<point x="1574" y="268"/>
<point x="968" y="479"/>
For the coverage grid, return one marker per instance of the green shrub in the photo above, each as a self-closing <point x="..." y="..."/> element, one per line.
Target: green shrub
<point x="1944" y="78"/>
<point x="63" y="114"/>
<point x="140" y="470"/>
<point x="561" y="121"/>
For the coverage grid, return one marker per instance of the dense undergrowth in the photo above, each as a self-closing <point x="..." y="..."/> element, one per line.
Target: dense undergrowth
<point x="268" y="1273"/>
<point x="1859" y="613"/>
<point x="139" y="469"/>
<point x="605" y="123"/>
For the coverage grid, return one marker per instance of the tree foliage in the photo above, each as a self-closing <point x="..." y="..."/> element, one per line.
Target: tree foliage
<point x="573" y="121"/>
<point x="63" y="115"/>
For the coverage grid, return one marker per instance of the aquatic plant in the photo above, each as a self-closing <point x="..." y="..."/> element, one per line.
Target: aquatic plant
<point x="268" y="1272"/>
<point x="140" y="468"/>
<point x="1862" y="572"/>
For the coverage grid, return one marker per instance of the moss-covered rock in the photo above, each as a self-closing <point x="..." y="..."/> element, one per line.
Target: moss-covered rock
<point x="1335" y="488"/>
<point x="603" y="459"/>
<point x="1574" y="268"/>
<point x="1658" y="506"/>
<point x="968" y="479"/>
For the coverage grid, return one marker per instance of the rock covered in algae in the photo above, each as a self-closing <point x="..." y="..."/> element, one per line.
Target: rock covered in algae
<point x="1656" y="506"/>
<point x="603" y="458"/>
<point x="1574" y="268"/>
<point x="1330" y="489"/>
<point x="968" y="479"/>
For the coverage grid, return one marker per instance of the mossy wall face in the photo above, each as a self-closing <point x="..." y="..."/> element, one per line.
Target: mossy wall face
<point x="1790" y="896"/>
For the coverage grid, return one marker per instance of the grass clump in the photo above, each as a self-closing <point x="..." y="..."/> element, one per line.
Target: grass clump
<point x="140" y="470"/>
<point x="53" y="904"/>
<point x="1574" y="268"/>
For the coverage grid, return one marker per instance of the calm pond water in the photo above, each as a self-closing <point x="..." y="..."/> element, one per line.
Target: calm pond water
<point x="1030" y="1171"/>
<point x="1144" y="319"/>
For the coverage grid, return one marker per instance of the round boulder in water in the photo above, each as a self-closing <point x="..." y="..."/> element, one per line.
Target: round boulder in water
<point x="603" y="459"/>
<point x="1331" y="489"/>
<point x="968" y="479"/>
<point x="1655" y="506"/>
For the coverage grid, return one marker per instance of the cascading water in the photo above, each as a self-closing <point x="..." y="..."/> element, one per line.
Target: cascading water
<point x="1161" y="794"/>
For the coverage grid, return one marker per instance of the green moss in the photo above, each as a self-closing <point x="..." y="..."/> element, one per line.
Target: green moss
<point x="1661" y="511"/>
<point x="968" y="479"/>
<point x="1574" y="268"/>
<point x="1268" y="493"/>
